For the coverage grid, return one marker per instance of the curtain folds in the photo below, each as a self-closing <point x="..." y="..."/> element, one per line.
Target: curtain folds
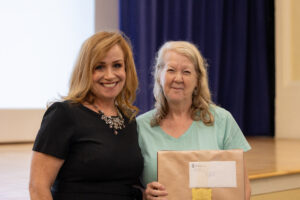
<point x="235" y="36"/>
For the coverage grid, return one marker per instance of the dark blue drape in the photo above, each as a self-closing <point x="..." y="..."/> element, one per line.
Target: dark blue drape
<point x="235" y="36"/>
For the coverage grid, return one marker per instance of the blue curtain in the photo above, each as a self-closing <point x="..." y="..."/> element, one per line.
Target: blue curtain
<point x="235" y="36"/>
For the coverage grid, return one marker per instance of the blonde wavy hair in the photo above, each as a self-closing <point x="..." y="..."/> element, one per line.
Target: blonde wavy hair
<point x="93" y="50"/>
<point x="201" y="99"/>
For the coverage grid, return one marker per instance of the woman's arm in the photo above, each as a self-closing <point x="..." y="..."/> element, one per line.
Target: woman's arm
<point x="43" y="171"/>
<point x="247" y="183"/>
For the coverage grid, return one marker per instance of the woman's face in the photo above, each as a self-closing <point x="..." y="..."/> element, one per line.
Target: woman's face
<point x="109" y="75"/>
<point x="178" y="78"/>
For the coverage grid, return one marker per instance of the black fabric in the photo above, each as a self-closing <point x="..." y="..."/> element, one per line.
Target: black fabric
<point x="98" y="164"/>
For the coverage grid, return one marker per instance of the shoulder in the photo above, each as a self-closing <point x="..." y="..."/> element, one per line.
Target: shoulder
<point x="60" y="105"/>
<point x="220" y="114"/>
<point x="55" y="107"/>
<point x="145" y="117"/>
<point x="61" y="108"/>
<point x="144" y="123"/>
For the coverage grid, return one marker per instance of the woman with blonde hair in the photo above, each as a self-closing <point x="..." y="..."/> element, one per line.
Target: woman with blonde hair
<point x="184" y="117"/>
<point x="87" y="145"/>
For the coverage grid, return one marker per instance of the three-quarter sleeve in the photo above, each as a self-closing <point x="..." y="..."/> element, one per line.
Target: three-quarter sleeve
<point x="55" y="134"/>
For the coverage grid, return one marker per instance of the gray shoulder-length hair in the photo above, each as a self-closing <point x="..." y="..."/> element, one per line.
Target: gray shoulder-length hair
<point x="201" y="99"/>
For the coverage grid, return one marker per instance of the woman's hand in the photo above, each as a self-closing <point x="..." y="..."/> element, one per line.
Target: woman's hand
<point x="155" y="191"/>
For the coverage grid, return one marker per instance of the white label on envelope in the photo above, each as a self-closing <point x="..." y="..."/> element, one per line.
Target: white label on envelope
<point x="212" y="174"/>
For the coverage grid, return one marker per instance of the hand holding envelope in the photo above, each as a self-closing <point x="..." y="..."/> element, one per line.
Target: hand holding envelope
<point x="202" y="175"/>
<point x="155" y="189"/>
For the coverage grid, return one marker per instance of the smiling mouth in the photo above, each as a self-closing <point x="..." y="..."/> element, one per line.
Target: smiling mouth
<point x="109" y="85"/>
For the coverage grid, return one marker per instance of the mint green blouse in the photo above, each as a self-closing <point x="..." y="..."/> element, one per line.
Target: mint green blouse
<point x="224" y="134"/>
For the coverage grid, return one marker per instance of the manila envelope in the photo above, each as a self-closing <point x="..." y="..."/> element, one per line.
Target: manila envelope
<point x="202" y="174"/>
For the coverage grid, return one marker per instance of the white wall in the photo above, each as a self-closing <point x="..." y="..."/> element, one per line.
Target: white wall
<point x="40" y="40"/>
<point x="20" y="116"/>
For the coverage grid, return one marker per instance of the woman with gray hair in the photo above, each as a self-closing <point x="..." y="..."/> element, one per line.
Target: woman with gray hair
<point x="184" y="117"/>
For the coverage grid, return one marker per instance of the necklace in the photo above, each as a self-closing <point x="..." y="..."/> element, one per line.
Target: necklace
<point x="114" y="122"/>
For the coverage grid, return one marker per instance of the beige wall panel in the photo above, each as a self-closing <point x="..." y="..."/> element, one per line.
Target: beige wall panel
<point x="295" y="28"/>
<point x="287" y="100"/>
<point x="19" y="125"/>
